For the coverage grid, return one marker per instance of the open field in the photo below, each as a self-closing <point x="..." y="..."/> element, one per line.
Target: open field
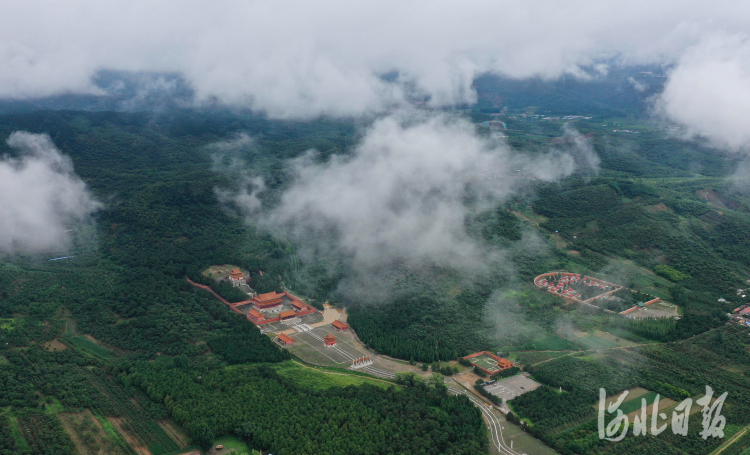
<point x="87" y="345"/>
<point x="601" y="340"/>
<point x="656" y="310"/>
<point x="217" y="271"/>
<point x="553" y="343"/>
<point x="229" y="443"/>
<point x="54" y="345"/>
<point x="320" y="379"/>
<point x="595" y="342"/>
<point x="532" y="357"/>
<point x="89" y="436"/>
<point x="309" y="347"/>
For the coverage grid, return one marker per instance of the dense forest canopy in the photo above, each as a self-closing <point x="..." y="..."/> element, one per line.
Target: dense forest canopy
<point x="176" y="350"/>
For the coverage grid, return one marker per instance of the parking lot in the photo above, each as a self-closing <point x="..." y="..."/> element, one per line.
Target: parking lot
<point x="511" y="387"/>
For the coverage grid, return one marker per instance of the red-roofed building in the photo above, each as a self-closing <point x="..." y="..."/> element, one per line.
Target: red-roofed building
<point x="284" y="339"/>
<point x="237" y="278"/>
<point x="287" y="314"/>
<point x="745" y="311"/>
<point x="329" y="340"/>
<point x="257" y="315"/>
<point x="299" y="305"/>
<point x="265" y="301"/>
<point x="340" y="325"/>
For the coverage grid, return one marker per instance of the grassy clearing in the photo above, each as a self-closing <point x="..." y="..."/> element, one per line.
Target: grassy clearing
<point x="20" y="440"/>
<point x="530" y="358"/>
<point x="86" y="345"/>
<point x="553" y="343"/>
<point x="231" y="442"/>
<point x="321" y="379"/>
<point x="52" y="405"/>
<point x="635" y="404"/>
<point x="595" y="342"/>
<point x="7" y="324"/>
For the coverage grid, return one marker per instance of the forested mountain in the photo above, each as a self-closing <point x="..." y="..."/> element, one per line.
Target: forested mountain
<point x="159" y="349"/>
<point x="126" y="287"/>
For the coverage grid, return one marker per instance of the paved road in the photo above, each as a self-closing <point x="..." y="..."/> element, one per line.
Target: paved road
<point x="493" y="422"/>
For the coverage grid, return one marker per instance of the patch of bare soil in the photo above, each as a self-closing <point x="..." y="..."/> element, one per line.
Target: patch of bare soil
<point x="87" y="434"/>
<point x="524" y="217"/>
<point x="92" y="339"/>
<point x="54" y="345"/>
<point x="718" y="199"/>
<point x="135" y="443"/>
<point x="574" y="252"/>
<point x="661" y="207"/>
<point x="66" y="420"/>
<point x="175" y="433"/>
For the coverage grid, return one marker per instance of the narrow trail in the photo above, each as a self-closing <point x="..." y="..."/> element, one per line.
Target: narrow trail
<point x="731" y="441"/>
<point x="588" y="351"/>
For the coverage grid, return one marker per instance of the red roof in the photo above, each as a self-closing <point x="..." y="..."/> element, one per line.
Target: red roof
<point x="257" y="314"/>
<point x="285" y="339"/>
<point x="267" y="296"/>
<point x="299" y="305"/>
<point x="287" y="314"/>
<point x="267" y="299"/>
<point x="745" y="311"/>
<point x="236" y="273"/>
<point x="340" y="325"/>
<point x="329" y="339"/>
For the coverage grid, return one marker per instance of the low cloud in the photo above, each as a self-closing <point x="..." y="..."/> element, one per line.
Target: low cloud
<point x="402" y="197"/>
<point x="299" y="59"/>
<point x="227" y="160"/>
<point x="708" y="92"/>
<point x="42" y="200"/>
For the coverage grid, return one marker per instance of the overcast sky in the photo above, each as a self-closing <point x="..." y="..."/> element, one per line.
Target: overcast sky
<point x="301" y="59"/>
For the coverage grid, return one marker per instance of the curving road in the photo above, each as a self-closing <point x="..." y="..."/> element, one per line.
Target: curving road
<point x="493" y="423"/>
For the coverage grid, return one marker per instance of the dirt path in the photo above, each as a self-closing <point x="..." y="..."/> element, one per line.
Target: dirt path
<point x="731" y="441"/>
<point x="132" y="441"/>
<point x="589" y="351"/>
<point x="81" y="447"/>
<point x="175" y="433"/>
<point x="524" y="217"/>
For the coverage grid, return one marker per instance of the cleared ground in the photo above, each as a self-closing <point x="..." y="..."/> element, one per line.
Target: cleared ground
<point x="216" y="271"/>
<point x="656" y="310"/>
<point x="309" y="346"/>
<point x="511" y="387"/>
<point x="283" y="327"/>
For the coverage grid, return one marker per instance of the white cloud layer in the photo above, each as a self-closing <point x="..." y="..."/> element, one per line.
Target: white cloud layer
<point x="709" y="91"/>
<point x="41" y="197"/>
<point x="404" y="193"/>
<point x="302" y="59"/>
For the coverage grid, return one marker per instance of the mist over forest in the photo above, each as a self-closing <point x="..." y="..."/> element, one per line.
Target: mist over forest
<point x="379" y="227"/>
